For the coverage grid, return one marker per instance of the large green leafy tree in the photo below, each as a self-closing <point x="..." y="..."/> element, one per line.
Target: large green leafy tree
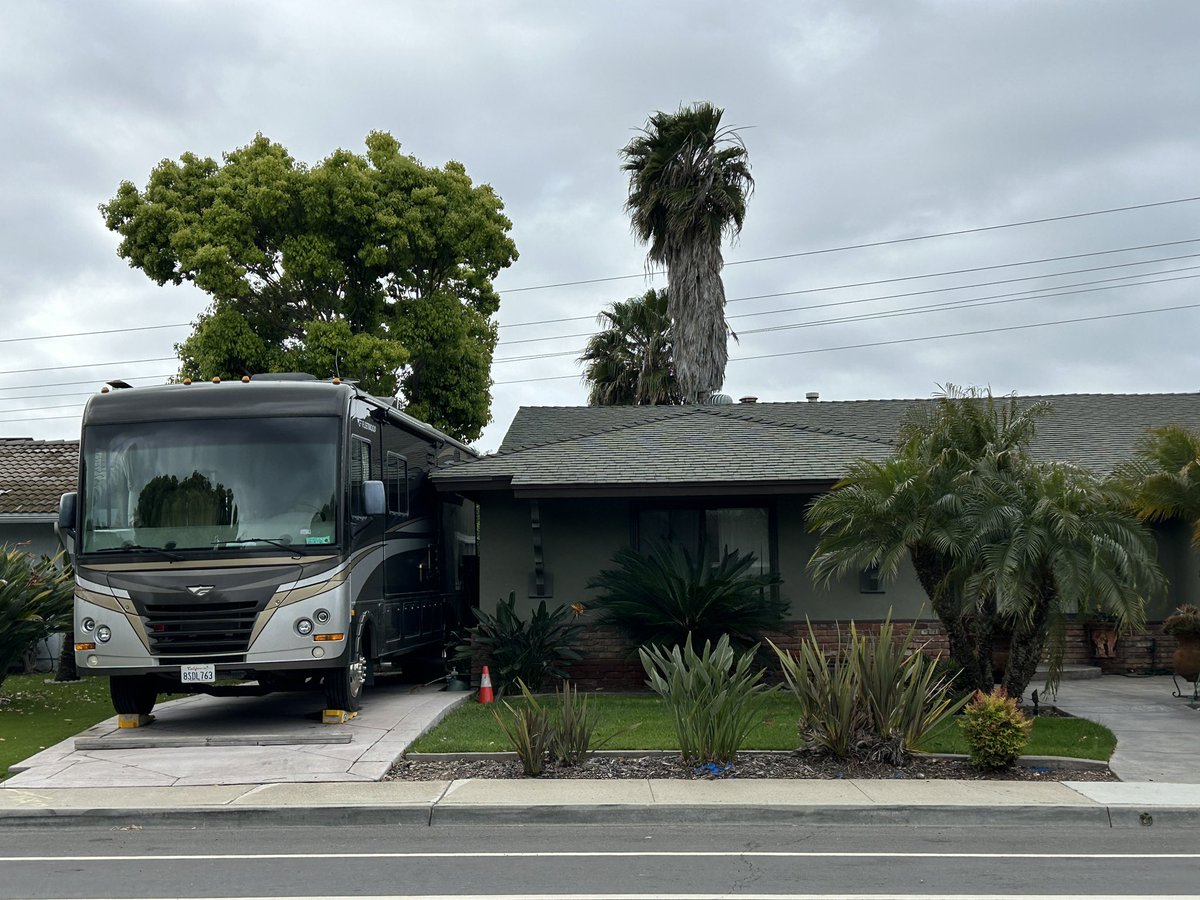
<point x="997" y="540"/>
<point x="372" y="266"/>
<point x="629" y="362"/>
<point x="689" y="181"/>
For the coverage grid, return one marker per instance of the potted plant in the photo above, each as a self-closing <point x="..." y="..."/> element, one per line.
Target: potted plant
<point x="1184" y="626"/>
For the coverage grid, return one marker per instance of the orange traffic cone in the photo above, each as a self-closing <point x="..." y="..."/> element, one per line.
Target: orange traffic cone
<point x="485" y="687"/>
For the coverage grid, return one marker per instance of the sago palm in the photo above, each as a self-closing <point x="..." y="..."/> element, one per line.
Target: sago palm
<point x="689" y="181"/>
<point x="629" y="362"/>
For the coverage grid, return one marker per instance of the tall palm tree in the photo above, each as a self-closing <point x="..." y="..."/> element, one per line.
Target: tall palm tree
<point x="629" y="362"/>
<point x="1163" y="478"/>
<point x="689" y="181"/>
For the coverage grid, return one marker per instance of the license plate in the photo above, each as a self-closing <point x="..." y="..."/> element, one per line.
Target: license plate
<point x="198" y="674"/>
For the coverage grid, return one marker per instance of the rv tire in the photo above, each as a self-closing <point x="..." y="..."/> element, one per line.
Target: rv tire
<point x="344" y="685"/>
<point x="133" y="694"/>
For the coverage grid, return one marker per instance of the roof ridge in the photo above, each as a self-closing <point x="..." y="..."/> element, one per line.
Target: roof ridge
<point x="674" y="411"/>
<point x="796" y="426"/>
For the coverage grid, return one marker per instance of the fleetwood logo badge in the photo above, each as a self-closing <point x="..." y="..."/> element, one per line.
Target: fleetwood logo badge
<point x="200" y="589"/>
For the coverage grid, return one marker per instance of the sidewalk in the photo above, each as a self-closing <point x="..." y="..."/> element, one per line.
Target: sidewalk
<point x="1157" y="735"/>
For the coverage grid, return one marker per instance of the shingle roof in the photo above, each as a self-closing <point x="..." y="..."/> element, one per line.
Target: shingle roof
<point x="33" y="474"/>
<point x="781" y="442"/>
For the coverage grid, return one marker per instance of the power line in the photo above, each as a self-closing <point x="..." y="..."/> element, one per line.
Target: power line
<point x="92" y="381"/>
<point x="913" y="340"/>
<point x="868" y="244"/>
<point x="838" y="287"/>
<point x="957" y="287"/>
<point x="49" y="337"/>
<point x="1037" y="294"/>
<point x="119" y="362"/>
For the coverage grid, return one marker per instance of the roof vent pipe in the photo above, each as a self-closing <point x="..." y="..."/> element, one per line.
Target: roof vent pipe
<point x="812" y="396"/>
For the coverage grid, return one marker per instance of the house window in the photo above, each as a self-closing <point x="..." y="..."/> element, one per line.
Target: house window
<point x="712" y="530"/>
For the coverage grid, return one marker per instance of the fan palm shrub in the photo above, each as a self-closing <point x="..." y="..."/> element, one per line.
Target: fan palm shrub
<point x="629" y="362"/>
<point x="666" y="595"/>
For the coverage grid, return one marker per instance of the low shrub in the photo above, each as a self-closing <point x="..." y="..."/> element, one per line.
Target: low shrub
<point x="520" y="651"/>
<point x="1183" y="622"/>
<point x="874" y="697"/>
<point x="664" y="596"/>
<point x="995" y="729"/>
<point x="36" y="600"/>
<point x="713" y="697"/>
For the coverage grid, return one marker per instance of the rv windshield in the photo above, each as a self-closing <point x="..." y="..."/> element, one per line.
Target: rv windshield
<point x="234" y="484"/>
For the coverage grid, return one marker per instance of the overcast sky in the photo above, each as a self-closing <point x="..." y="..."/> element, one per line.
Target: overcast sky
<point x="865" y="122"/>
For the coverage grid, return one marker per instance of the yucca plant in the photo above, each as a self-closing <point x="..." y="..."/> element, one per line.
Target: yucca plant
<point x="664" y="596"/>
<point x="528" y="731"/>
<point x="828" y="689"/>
<point x="874" y="696"/>
<point x="572" y="728"/>
<point x="714" y="697"/>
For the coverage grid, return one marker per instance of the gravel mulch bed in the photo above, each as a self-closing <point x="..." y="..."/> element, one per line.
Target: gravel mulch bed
<point x="748" y="765"/>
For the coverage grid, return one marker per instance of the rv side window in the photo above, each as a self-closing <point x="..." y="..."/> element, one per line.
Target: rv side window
<point x="395" y="476"/>
<point x="360" y="471"/>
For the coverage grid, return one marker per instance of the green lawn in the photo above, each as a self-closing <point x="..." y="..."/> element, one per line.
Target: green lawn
<point x="39" y="715"/>
<point x="641" y="723"/>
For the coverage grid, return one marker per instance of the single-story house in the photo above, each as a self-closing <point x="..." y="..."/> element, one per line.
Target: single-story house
<point x="33" y="475"/>
<point x="569" y="486"/>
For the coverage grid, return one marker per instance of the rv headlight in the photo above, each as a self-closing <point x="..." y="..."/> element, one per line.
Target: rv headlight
<point x="88" y="624"/>
<point x="103" y="633"/>
<point x="304" y="627"/>
<point x="321" y="615"/>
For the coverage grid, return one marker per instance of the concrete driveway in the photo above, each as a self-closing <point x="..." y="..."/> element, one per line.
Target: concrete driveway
<point x="1158" y="735"/>
<point x="203" y="740"/>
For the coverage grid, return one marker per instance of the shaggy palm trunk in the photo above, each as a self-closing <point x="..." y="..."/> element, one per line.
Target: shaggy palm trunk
<point x="968" y="631"/>
<point x="696" y="306"/>
<point x="1029" y="642"/>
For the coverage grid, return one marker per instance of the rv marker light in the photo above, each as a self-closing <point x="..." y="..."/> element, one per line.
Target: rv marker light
<point x="89" y="645"/>
<point x="335" y="636"/>
<point x="87" y="624"/>
<point x="103" y="633"/>
<point x="304" y="627"/>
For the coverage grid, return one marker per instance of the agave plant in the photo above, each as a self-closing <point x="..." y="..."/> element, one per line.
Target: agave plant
<point x="663" y="597"/>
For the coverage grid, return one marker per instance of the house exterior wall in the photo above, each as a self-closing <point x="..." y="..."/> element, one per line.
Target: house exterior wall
<point x="580" y="536"/>
<point x="31" y="537"/>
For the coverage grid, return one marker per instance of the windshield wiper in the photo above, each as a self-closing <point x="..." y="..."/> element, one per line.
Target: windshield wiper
<point x="128" y="545"/>
<point x="290" y="548"/>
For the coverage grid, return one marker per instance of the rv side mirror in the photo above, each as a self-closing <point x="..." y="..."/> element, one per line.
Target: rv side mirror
<point x="374" y="498"/>
<point x="66" y="511"/>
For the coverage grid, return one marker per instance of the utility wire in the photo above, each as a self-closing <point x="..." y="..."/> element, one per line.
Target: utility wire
<point x="1038" y="294"/>
<point x="838" y="287"/>
<point x="957" y="287"/>
<point x="868" y="244"/>
<point x="912" y="340"/>
<point x="119" y="362"/>
<point x="91" y="381"/>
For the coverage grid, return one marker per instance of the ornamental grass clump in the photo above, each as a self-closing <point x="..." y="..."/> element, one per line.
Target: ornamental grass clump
<point x="873" y="697"/>
<point x="572" y="728"/>
<point x="995" y="729"/>
<point x="713" y="697"/>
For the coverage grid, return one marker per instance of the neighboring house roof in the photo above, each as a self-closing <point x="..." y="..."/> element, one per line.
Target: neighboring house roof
<point x="750" y="446"/>
<point x="34" y="474"/>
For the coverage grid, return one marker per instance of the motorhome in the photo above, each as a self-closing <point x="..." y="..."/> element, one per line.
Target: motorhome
<point x="271" y="533"/>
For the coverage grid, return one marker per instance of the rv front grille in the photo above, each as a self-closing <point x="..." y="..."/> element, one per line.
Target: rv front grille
<point x="199" y="628"/>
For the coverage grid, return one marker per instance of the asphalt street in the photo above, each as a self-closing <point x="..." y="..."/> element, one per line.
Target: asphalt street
<point x="597" y="863"/>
